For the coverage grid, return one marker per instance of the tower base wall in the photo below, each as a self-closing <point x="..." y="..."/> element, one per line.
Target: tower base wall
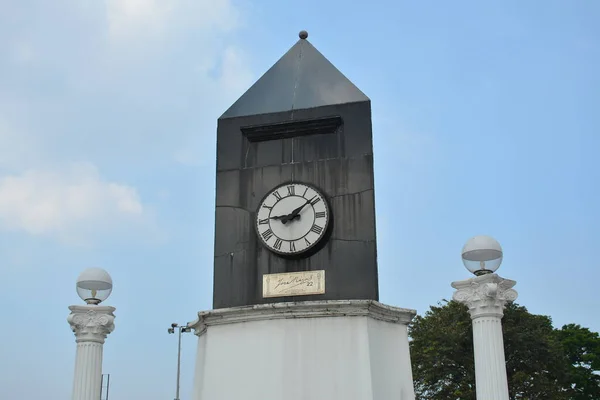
<point x="317" y="350"/>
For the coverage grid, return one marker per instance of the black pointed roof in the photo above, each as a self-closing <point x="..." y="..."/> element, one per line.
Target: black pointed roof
<point x="302" y="78"/>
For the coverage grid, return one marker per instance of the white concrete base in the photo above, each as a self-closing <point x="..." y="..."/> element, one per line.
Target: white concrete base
<point x="325" y="350"/>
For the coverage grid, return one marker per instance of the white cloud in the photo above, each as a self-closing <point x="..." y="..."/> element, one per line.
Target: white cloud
<point x="233" y="80"/>
<point x="129" y="19"/>
<point x="235" y="76"/>
<point x="161" y="59"/>
<point x="141" y="83"/>
<point x="16" y="147"/>
<point x="73" y="203"/>
<point x="23" y="52"/>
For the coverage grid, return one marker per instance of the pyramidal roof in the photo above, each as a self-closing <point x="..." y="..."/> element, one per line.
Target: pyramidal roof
<point x="302" y="78"/>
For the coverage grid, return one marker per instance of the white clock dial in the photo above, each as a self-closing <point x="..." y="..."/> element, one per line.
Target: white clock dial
<point x="292" y="218"/>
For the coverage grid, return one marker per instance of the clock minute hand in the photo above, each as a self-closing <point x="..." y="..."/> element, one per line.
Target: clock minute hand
<point x="293" y="214"/>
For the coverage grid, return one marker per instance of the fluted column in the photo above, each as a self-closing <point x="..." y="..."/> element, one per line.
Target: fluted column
<point x="91" y="324"/>
<point x="486" y="297"/>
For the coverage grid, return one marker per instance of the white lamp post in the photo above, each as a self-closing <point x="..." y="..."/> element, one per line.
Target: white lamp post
<point x="91" y="324"/>
<point x="486" y="295"/>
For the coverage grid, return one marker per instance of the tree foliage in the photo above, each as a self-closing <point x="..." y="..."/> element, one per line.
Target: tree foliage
<point x="582" y="350"/>
<point x="541" y="362"/>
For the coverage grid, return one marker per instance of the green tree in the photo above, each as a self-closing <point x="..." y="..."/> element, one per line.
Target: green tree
<point x="442" y="353"/>
<point x="535" y="363"/>
<point x="541" y="362"/>
<point x="582" y="349"/>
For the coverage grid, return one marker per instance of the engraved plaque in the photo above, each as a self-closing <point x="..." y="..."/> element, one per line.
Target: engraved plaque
<point x="294" y="284"/>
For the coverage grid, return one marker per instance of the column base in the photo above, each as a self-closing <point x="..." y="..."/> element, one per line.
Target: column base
<point x="325" y="350"/>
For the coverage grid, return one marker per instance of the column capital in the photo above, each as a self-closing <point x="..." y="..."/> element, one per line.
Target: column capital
<point x="91" y="323"/>
<point x="485" y="295"/>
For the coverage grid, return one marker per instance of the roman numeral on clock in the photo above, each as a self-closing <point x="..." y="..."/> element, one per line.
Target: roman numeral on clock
<point x="267" y="234"/>
<point x="263" y="221"/>
<point x="292" y="246"/>
<point x="315" y="200"/>
<point x="291" y="190"/>
<point x="277" y="244"/>
<point x="320" y="214"/>
<point x="267" y="207"/>
<point x="277" y="195"/>
<point x="307" y="242"/>
<point x="316" y="229"/>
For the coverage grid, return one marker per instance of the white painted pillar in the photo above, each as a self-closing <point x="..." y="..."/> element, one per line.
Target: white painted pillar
<point x="91" y="324"/>
<point x="486" y="296"/>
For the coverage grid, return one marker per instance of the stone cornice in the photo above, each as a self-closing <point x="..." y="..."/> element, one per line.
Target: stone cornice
<point x="91" y="323"/>
<point x="485" y="295"/>
<point x="302" y="309"/>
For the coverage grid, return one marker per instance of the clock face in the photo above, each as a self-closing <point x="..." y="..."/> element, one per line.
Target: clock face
<point x="292" y="218"/>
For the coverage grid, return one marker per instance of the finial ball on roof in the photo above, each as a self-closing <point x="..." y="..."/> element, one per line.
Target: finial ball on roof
<point x="303" y="34"/>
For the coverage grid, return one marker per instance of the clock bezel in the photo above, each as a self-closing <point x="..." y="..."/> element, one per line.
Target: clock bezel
<point x="314" y="247"/>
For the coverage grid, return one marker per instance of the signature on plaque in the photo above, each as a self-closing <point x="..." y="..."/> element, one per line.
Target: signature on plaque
<point x="294" y="284"/>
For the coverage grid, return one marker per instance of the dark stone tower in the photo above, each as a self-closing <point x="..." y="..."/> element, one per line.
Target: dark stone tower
<point x="302" y="121"/>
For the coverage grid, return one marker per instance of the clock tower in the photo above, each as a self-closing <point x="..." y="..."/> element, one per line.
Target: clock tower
<point x="294" y="188"/>
<point x="295" y="311"/>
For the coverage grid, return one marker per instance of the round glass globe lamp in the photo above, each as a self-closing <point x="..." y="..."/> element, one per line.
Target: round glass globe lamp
<point x="94" y="285"/>
<point x="482" y="255"/>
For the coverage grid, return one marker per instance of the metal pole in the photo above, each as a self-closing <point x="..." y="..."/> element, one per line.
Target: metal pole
<point x="101" y="386"/>
<point x="178" y="364"/>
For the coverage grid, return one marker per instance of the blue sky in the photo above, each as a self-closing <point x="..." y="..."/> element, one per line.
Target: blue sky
<point x="485" y="122"/>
